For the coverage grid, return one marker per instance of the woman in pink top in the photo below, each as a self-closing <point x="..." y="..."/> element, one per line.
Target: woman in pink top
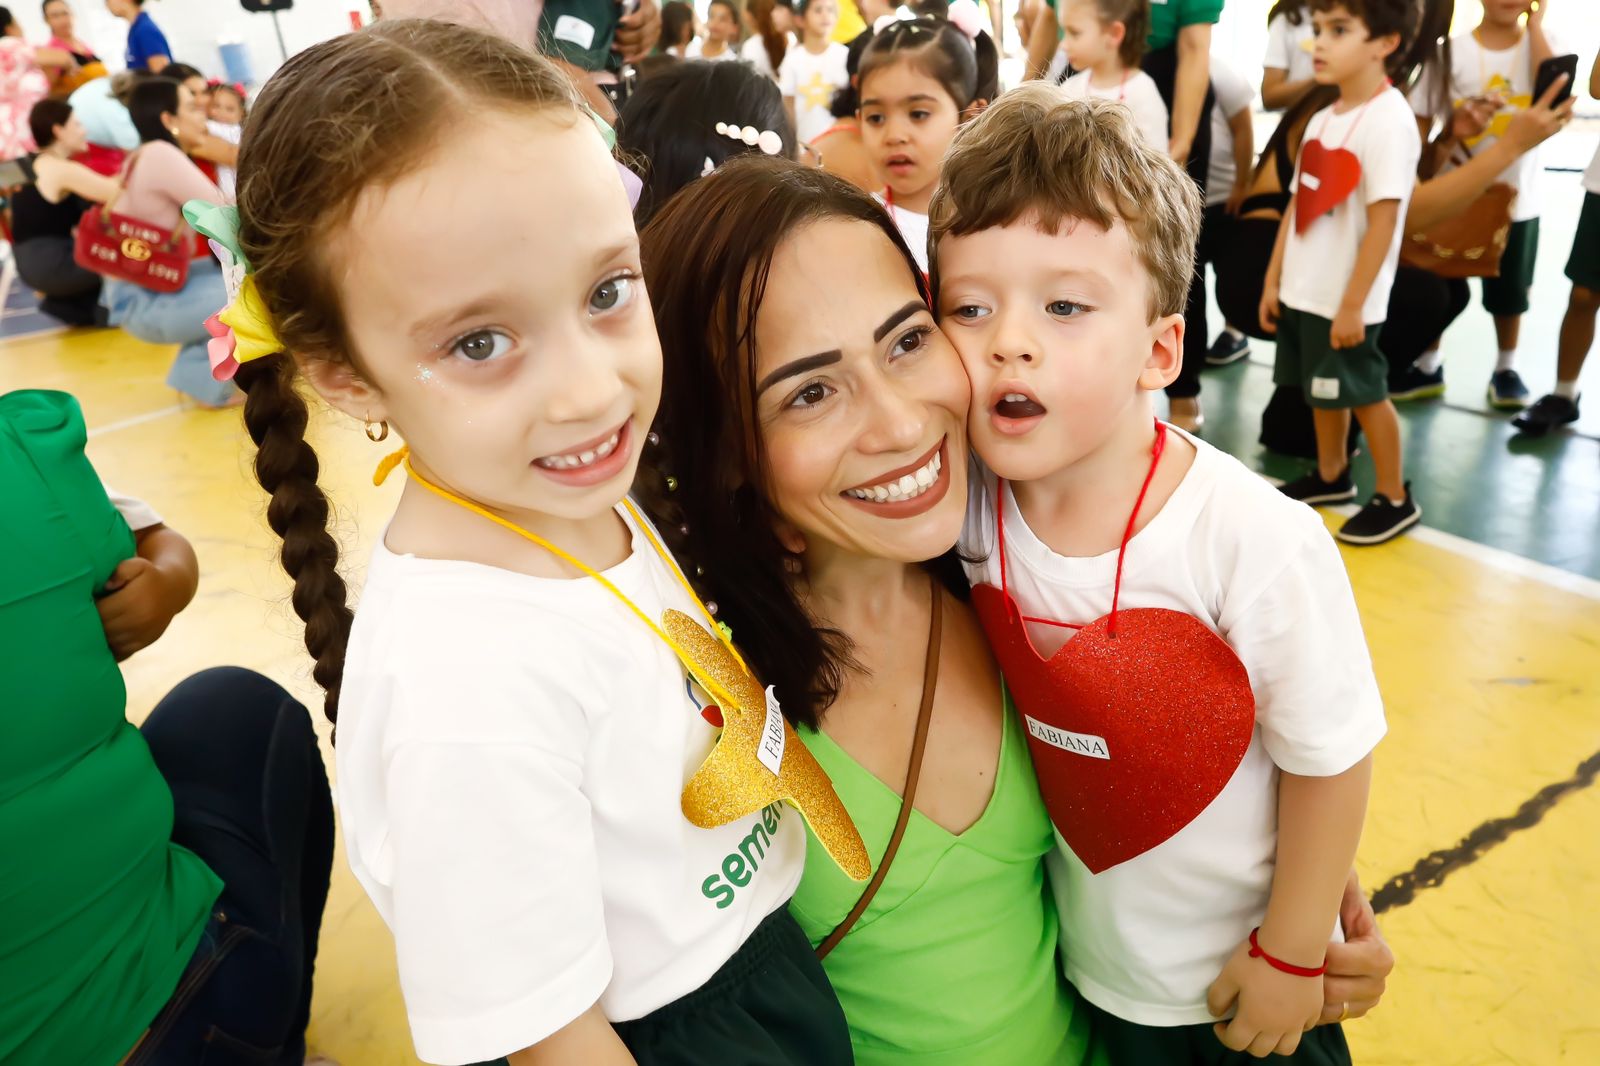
<point x="158" y="180"/>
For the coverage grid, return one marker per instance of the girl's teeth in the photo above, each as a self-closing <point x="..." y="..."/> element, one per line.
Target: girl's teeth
<point x="573" y="462"/>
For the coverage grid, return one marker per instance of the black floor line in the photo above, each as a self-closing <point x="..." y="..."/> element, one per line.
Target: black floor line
<point x="1431" y="870"/>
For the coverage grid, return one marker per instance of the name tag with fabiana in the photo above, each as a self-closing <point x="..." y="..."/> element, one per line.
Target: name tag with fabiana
<point x="1085" y="744"/>
<point x="770" y="750"/>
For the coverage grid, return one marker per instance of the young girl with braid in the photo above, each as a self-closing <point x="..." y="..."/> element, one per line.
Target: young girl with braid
<point x="517" y="711"/>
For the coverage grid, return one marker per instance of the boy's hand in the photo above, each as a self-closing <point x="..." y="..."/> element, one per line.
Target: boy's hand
<point x="140" y="602"/>
<point x="1274" y="1010"/>
<point x="1270" y="309"/>
<point x="1348" y="330"/>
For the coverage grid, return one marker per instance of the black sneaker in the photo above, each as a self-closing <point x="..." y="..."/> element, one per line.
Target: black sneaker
<point x="1312" y="489"/>
<point x="1381" y="519"/>
<point x="1507" y="392"/>
<point x="1227" y="349"/>
<point x="1546" y="414"/>
<point x="1414" y="383"/>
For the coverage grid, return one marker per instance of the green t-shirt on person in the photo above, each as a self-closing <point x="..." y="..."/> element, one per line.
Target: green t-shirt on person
<point x="99" y="910"/>
<point x="954" y="961"/>
<point x="1167" y="17"/>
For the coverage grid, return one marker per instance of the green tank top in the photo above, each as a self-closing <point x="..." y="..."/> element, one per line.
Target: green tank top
<point x="99" y="910"/>
<point x="954" y="962"/>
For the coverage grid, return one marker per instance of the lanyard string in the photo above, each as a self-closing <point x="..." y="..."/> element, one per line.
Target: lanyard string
<point x="1122" y="551"/>
<point x="716" y="691"/>
<point x="1361" y="113"/>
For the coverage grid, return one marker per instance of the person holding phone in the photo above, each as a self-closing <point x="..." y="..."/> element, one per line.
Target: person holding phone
<point x="1560" y="406"/>
<point x="1493" y="66"/>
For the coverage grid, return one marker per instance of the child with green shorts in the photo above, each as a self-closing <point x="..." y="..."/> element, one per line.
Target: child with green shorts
<point x="1560" y="407"/>
<point x="1327" y="288"/>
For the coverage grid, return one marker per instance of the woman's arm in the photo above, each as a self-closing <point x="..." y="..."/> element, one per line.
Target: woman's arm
<point x="1594" y="79"/>
<point x="216" y="150"/>
<point x="1042" y="43"/>
<point x="1189" y="88"/>
<point x="79" y="179"/>
<point x="54" y="57"/>
<point x="1448" y="194"/>
<point x="588" y="1038"/>
<point x="1278" y="92"/>
<point x="1359" y="967"/>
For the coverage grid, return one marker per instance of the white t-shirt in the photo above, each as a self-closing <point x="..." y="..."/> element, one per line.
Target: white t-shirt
<point x="812" y="80"/>
<point x="1289" y="47"/>
<point x="1138" y="93"/>
<point x="138" y="514"/>
<point x="1234" y="95"/>
<point x="511" y="755"/>
<point x="912" y="226"/>
<point x="697" y="46"/>
<point x="754" y="52"/>
<point x="1144" y="939"/>
<point x="1509" y="74"/>
<point x="1317" y="263"/>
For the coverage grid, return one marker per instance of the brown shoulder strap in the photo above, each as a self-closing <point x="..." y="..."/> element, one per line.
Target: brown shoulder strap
<point x="919" y="741"/>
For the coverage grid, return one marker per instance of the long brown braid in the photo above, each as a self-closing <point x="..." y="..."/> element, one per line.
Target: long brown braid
<point x="336" y="119"/>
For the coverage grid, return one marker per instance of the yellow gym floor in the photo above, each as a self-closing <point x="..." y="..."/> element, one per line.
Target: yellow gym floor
<point x="1490" y="667"/>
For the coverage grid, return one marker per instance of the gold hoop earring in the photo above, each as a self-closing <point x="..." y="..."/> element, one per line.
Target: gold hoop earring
<point x="379" y="435"/>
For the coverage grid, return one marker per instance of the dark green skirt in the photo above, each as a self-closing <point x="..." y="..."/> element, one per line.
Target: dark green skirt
<point x="1129" y="1044"/>
<point x="769" y="1005"/>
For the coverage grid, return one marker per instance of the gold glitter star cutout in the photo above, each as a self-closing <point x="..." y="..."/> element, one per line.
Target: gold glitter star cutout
<point x="734" y="782"/>
<point x="816" y="92"/>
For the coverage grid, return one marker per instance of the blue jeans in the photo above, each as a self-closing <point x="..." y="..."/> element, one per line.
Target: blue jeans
<point x="176" y="318"/>
<point x="250" y="797"/>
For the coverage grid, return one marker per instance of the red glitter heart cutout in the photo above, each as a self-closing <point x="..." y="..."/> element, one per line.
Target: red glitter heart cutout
<point x="713" y="714"/>
<point x="1327" y="178"/>
<point x="1132" y="736"/>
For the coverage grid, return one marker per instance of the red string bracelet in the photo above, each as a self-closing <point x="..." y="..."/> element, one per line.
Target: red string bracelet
<point x="1256" y="952"/>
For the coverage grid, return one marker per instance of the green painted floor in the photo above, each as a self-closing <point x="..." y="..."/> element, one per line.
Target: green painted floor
<point x="1474" y="475"/>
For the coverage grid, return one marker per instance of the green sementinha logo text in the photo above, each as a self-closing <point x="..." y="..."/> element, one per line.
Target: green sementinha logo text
<point x="738" y="867"/>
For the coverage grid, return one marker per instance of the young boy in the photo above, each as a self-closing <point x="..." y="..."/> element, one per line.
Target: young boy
<point x="1327" y="288"/>
<point x="1206" y="764"/>
<point x="1498" y="61"/>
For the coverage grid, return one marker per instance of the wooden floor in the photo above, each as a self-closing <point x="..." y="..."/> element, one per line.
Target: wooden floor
<point x="1489" y="664"/>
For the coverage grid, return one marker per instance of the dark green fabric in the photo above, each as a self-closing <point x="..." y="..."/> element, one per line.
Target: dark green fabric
<point x="1508" y="293"/>
<point x="769" y="1005"/>
<point x="99" y="910"/>
<point x="595" y="20"/>
<point x="1307" y="357"/>
<point x="1170" y="16"/>
<point x="1127" y="1044"/>
<point x="1583" y="266"/>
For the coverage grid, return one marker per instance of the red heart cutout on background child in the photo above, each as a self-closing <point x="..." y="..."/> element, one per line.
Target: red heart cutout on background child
<point x="1327" y="178"/>
<point x="1132" y="735"/>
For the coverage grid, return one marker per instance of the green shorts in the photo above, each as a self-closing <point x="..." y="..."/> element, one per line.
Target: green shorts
<point x="1583" y="265"/>
<point x="1508" y="293"/>
<point x="1128" y="1044"/>
<point x="1329" y="378"/>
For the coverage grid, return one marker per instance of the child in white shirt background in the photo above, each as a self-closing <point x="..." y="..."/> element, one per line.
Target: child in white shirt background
<point x="1104" y="41"/>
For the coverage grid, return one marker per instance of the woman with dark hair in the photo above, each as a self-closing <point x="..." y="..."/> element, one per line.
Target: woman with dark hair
<point x="812" y="473"/>
<point x="147" y="45"/>
<point x="669" y="125"/>
<point x="85" y="66"/>
<point x="157" y="181"/>
<point x="45" y="213"/>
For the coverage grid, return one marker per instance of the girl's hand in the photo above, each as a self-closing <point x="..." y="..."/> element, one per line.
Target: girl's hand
<point x="1359" y="968"/>
<point x="1534" y="125"/>
<point x="1472" y="117"/>
<point x="1273" y="1009"/>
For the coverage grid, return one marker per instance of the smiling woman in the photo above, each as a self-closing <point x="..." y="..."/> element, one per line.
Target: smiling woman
<point x="818" y="477"/>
